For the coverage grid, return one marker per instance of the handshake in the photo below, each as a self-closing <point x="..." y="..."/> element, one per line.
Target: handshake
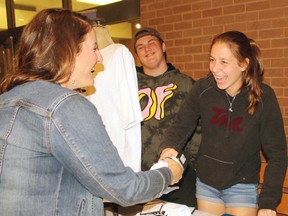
<point x="175" y="161"/>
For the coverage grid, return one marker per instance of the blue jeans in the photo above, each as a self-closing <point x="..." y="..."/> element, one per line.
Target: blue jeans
<point x="239" y="195"/>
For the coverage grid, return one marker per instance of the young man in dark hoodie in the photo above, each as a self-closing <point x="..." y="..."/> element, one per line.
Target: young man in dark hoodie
<point x="162" y="89"/>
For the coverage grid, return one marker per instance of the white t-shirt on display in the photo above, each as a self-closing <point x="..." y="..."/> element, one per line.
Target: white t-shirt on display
<point x="116" y="99"/>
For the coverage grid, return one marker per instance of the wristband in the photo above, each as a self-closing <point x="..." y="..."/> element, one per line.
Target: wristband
<point x="180" y="159"/>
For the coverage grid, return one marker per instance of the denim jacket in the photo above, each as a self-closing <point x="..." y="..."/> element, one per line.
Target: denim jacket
<point x="57" y="159"/>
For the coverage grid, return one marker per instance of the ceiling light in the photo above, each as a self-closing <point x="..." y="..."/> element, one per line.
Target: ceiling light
<point x="98" y="2"/>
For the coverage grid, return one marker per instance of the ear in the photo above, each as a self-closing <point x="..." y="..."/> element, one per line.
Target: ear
<point x="244" y="64"/>
<point x="164" y="47"/>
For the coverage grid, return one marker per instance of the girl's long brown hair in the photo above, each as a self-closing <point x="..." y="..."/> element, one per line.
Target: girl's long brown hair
<point x="244" y="48"/>
<point x="48" y="47"/>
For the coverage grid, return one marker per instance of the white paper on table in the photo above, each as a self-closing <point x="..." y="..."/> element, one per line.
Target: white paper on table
<point x="165" y="209"/>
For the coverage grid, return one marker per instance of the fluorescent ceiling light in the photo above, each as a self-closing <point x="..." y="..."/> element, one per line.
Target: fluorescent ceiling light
<point x="99" y="2"/>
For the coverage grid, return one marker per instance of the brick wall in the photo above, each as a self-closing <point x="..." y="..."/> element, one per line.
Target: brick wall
<point x="187" y="26"/>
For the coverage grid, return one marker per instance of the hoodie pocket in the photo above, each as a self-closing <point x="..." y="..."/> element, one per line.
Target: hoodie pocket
<point x="214" y="172"/>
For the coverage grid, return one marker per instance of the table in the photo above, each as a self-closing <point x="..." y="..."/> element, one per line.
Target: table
<point x="136" y="209"/>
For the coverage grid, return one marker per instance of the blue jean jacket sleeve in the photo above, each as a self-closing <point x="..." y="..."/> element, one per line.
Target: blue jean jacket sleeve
<point x="80" y="143"/>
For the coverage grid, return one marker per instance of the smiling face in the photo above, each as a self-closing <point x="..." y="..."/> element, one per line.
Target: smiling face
<point x="150" y="52"/>
<point x="226" y="69"/>
<point x="86" y="59"/>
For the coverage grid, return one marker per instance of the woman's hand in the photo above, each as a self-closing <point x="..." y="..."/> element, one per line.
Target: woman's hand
<point x="266" y="212"/>
<point x="168" y="152"/>
<point x="176" y="169"/>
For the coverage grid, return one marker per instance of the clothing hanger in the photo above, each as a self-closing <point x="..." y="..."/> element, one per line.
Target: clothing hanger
<point x="97" y="22"/>
<point x="104" y="38"/>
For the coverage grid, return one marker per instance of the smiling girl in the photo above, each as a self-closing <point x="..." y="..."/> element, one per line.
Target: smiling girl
<point x="240" y="115"/>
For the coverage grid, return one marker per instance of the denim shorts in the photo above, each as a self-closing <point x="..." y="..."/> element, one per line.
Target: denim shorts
<point x="239" y="195"/>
